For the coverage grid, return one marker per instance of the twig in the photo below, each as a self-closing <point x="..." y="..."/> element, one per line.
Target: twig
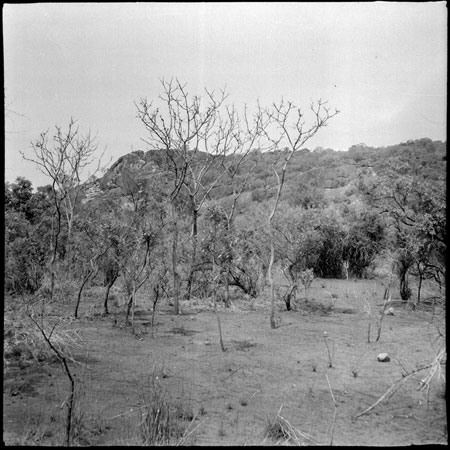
<point x="330" y="357"/>
<point x="331" y="391"/>
<point x="435" y="366"/>
<point x="232" y="373"/>
<point x="335" y="409"/>
<point x="259" y="390"/>
<point x="127" y="412"/>
<point x="281" y="406"/>
<point x="392" y="389"/>
<point x="401" y="365"/>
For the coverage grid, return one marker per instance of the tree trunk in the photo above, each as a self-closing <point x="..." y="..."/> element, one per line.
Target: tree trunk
<point x="288" y="302"/>
<point x="68" y="250"/>
<point x="130" y="302"/>
<point x="405" y="292"/>
<point x="86" y="279"/>
<point x="133" y="304"/>
<point x="110" y="285"/>
<point x="419" y="288"/>
<point x="272" y="245"/>
<point x="55" y="244"/>
<point x="194" y="254"/>
<point x="270" y="277"/>
<point x="176" y="276"/>
<point x="222" y="346"/>
<point x="155" y="301"/>
<point x="290" y="296"/>
<point x="227" y="287"/>
<point x="215" y="290"/>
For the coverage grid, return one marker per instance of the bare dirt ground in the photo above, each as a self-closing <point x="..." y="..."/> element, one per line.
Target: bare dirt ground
<point x="233" y="396"/>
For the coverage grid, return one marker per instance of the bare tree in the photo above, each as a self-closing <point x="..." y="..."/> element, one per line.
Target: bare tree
<point x="184" y="122"/>
<point x="63" y="157"/>
<point x="228" y="145"/>
<point x="291" y="132"/>
<point x="63" y="359"/>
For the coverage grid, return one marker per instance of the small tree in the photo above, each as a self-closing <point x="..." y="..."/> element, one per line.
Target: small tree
<point x="298" y="244"/>
<point x="291" y="136"/>
<point x="138" y="268"/>
<point x="159" y="282"/>
<point x="179" y="123"/>
<point x="93" y="244"/>
<point x="217" y="220"/>
<point x="63" y="157"/>
<point x="110" y="264"/>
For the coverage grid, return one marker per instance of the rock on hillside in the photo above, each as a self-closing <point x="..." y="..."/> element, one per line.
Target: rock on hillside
<point x="132" y="163"/>
<point x="334" y="173"/>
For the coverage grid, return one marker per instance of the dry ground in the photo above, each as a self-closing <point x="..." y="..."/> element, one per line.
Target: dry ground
<point x="233" y="396"/>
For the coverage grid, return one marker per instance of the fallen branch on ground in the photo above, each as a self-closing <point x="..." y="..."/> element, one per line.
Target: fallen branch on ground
<point x="391" y="391"/>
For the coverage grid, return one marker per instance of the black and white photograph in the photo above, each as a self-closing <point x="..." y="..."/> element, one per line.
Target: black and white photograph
<point x="225" y="224"/>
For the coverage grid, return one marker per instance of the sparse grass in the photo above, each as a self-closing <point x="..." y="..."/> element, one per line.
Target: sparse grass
<point x="40" y="428"/>
<point x="164" y="421"/>
<point x="24" y="342"/>
<point x="283" y="433"/>
<point x="161" y="423"/>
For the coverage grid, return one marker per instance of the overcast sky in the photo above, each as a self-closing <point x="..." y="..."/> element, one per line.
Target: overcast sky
<point x="382" y="64"/>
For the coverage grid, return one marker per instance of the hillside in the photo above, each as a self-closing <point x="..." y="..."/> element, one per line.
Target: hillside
<point x="325" y="175"/>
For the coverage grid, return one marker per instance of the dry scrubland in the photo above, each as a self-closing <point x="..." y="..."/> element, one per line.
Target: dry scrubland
<point x="292" y="385"/>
